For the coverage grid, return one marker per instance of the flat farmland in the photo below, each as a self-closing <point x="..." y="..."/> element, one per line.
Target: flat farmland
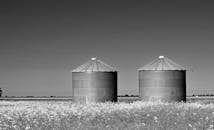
<point x="128" y="114"/>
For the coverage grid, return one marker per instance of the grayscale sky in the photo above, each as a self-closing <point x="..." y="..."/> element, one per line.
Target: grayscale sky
<point x="42" y="40"/>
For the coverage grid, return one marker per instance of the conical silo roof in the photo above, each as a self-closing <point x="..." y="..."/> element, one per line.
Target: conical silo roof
<point x="95" y="65"/>
<point x="162" y="63"/>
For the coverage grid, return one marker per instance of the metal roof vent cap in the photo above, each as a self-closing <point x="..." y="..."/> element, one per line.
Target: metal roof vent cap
<point x="94" y="58"/>
<point x="161" y="57"/>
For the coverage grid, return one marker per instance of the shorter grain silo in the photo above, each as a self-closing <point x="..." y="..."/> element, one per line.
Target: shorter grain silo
<point x="94" y="81"/>
<point x="162" y="79"/>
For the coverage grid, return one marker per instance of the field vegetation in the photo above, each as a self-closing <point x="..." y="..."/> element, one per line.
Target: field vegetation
<point x="58" y="115"/>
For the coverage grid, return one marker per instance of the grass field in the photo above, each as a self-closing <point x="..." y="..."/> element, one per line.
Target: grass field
<point x="59" y="115"/>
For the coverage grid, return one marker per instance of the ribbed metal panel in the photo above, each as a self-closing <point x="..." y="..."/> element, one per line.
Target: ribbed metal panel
<point x="165" y="85"/>
<point x="94" y="86"/>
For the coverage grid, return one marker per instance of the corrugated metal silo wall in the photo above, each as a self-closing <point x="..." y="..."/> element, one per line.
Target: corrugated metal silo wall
<point x="94" y="86"/>
<point x="167" y="85"/>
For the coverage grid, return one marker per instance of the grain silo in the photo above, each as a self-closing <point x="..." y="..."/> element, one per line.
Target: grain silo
<point x="162" y="79"/>
<point x="94" y="81"/>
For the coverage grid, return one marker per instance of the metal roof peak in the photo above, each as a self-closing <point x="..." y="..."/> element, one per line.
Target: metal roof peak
<point x="95" y="65"/>
<point x="162" y="63"/>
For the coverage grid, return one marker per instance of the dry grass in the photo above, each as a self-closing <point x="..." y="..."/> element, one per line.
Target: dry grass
<point x="137" y="116"/>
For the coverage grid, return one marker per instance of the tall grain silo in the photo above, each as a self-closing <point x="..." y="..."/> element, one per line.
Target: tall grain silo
<point x="162" y="79"/>
<point x="94" y="81"/>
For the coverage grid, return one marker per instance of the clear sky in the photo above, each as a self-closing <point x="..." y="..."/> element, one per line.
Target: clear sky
<point x="42" y="40"/>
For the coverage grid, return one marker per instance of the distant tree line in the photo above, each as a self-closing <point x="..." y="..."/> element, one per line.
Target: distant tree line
<point x="202" y="95"/>
<point x="126" y="95"/>
<point x="37" y="96"/>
